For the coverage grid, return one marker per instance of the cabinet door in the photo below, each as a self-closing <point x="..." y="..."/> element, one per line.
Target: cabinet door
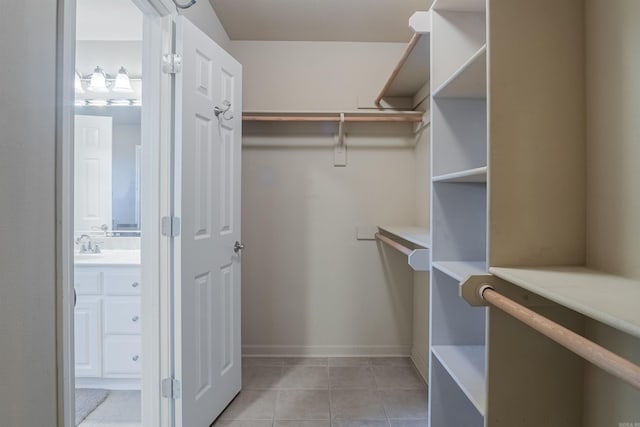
<point x="122" y="316"/>
<point x="88" y="336"/>
<point x="122" y="281"/>
<point x="122" y="356"/>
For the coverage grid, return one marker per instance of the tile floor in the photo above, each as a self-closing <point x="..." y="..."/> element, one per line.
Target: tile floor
<point x="328" y="392"/>
<point x="305" y="392"/>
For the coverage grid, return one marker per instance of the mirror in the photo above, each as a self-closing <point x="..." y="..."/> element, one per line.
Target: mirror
<point x="108" y="143"/>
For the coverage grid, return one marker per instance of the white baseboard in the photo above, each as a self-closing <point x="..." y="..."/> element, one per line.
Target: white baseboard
<point x="421" y="363"/>
<point x="325" y="350"/>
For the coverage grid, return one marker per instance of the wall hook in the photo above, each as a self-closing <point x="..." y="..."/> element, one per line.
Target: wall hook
<point x="223" y="111"/>
<point x="184" y="6"/>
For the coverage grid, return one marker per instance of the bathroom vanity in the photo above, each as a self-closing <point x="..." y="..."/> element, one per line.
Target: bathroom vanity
<point x="108" y="340"/>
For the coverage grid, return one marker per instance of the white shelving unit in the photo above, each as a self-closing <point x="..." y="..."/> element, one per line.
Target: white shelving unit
<point x="458" y="211"/>
<point x="507" y="189"/>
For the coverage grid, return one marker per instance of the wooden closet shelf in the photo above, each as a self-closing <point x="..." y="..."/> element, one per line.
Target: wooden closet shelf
<point x="612" y="300"/>
<point x="477" y="175"/>
<point x="465" y="364"/>
<point x="460" y="5"/>
<point x="419" y="236"/>
<point x="361" y="117"/>
<point x="468" y="81"/>
<point x="411" y="72"/>
<point x="460" y="270"/>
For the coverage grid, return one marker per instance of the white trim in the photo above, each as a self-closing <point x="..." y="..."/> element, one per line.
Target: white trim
<point x="155" y="261"/>
<point x="326" y="350"/>
<point x="65" y="66"/>
<point x="157" y="8"/>
<point x="155" y="252"/>
<point x="421" y="363"/>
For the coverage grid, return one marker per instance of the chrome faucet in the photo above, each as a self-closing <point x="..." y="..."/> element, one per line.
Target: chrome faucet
<point x="87" y="246"/>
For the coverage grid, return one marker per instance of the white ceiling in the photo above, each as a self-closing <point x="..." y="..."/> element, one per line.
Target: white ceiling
<point x="108" y="20"/>
<point x="318" y="20"/>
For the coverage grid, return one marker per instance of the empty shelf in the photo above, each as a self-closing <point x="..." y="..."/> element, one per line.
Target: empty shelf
<point x="612" y="300"/>
<point x="419" y="236"/>
<point x="468" y="81"/>
<point x="460" y="270"/>
<point x="411" y="72"/>
<point x="460" y="5"/>
<point x="477" y="175"/>
<point x="466" y="365"/>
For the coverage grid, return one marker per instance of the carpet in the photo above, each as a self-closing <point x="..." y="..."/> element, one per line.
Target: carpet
<point x="88" y="399"/>
<point x="120" y="407"/>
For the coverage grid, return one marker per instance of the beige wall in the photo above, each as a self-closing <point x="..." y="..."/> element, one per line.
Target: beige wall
<point x="613" y="192"/>
<point x="313" y="75"/>
<point x="27" y="245"/>
<point x="308" y="285"/>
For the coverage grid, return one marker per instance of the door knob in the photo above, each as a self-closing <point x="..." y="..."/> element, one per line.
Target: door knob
<point x="238" y="247"/>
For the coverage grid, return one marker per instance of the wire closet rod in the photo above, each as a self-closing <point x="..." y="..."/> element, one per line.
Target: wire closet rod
<point x="588" y="350"/>
<point x="395" y="245"/>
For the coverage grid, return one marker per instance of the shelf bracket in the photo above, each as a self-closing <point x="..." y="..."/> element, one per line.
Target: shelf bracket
<point x="419" y="260"/>
<point x="340" y="149"/>
<point x="472" y="287"/>
<point x="420" y="22"/>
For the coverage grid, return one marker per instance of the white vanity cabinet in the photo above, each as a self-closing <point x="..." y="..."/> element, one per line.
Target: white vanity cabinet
<point x="108" y="341"/>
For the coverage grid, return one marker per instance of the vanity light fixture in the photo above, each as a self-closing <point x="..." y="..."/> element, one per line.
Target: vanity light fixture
<point x="98" y="83"/>
<point x="97" y="102"/>
<point x="120" y="102"/>
<point x="122" y="83"/>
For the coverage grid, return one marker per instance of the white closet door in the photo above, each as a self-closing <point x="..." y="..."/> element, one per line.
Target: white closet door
<point x="92" y="177"/>
<point x="207" y="200"/>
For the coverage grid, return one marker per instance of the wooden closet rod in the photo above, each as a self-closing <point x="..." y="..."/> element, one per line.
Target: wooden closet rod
<point x="395" y="245"/>
<point x="412" y="118"/>
<point x="588" y="350"/>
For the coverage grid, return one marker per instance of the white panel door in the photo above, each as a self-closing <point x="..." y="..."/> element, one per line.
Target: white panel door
<point x="92" y="175"/>
<point x="207" y="200"/>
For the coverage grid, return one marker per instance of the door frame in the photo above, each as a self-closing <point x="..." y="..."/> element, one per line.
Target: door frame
<point x="156" y="176"/>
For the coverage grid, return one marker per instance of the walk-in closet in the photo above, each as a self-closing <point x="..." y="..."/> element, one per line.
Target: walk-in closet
<point x="347" y="213"/>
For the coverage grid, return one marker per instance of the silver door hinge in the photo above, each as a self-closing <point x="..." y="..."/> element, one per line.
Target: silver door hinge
<point x="171" y="63"/>
<point x="170" y="226"/>
<point x="170" y="388"/>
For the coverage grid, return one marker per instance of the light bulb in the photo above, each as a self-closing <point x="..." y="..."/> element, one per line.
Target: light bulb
<point x="122" y="84"/>
<point x="98" y="83"/>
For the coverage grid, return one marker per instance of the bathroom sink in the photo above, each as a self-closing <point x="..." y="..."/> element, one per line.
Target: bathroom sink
<point x="87" y="257"/>
<point x="109" y="256"/>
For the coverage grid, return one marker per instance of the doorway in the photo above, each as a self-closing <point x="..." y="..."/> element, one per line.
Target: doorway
<point x="186" y="338"/>
<point x="108" y="333"/>
<point x="115" y="315"/>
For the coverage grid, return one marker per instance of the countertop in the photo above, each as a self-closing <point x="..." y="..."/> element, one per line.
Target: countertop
<point x="108" y="257"/>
